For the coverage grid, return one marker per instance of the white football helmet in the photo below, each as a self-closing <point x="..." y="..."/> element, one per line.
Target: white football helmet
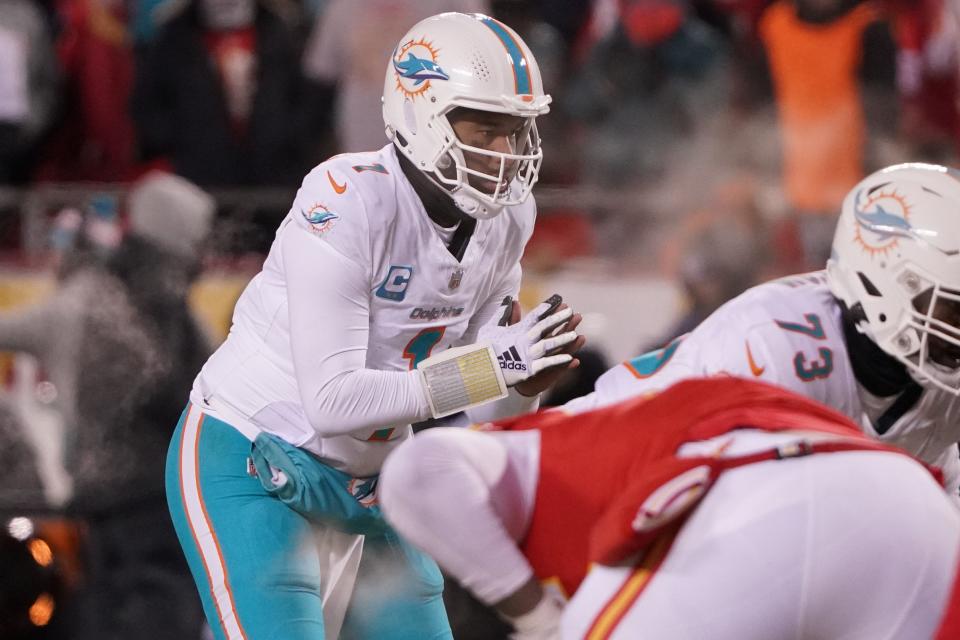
<point x="464" y="60"/>
<point x="896" y="264"/>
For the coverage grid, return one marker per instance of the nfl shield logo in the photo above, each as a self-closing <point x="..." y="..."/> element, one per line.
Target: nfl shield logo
<point x="456" y="278"/>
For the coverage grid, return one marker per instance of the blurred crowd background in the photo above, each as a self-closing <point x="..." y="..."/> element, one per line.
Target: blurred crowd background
<point x="149" y="149"/>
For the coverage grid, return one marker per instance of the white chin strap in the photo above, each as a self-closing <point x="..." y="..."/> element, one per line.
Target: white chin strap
<point x="475" y="207"/>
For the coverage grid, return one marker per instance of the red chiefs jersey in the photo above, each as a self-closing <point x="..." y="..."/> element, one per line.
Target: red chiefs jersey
<point x="950" y="623"/>
<point x="590" y="461"/>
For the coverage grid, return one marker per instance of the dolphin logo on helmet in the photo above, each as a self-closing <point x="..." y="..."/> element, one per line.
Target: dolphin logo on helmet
<point x="419" y="69"/>
<point x="414" y="63"/>
<point x="882" y="222"/>
<point x="880" y="219"/>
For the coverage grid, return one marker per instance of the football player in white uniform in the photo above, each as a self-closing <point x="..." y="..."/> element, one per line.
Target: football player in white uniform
<point x="385" y="261"/>
<point x="876" y="335"/>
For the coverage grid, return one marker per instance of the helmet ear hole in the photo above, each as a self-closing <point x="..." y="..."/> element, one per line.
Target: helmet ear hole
<point x="868" y="286"/>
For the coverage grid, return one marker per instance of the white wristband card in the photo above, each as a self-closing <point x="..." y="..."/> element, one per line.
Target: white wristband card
<point x="460" y="378"/>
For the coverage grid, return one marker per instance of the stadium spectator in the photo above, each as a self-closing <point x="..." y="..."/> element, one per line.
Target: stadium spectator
<point x="118" y="342"/>
<point x="928" y="69"/>
<point x="218" y="95"/>
<point x="386" y="259"/>
<point x="29" y="79"/>
<point x="639" y="88"/>
<point x="739" y="20"/>
<point x="92" y="138"/>
<point x="345" y="55"/>
<point x="815" y="49"/>
<point x="721" y="508"/>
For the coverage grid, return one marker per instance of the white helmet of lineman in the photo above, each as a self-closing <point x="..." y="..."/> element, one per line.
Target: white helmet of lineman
<point x="895" y="263"/>
<point x="464" y="60"/>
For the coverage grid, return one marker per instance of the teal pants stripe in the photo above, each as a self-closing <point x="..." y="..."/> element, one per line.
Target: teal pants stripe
<point x="271" y="566"/>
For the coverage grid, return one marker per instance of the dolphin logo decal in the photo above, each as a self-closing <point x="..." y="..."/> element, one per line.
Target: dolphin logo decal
<point x="883" y="223"/>
<point x="419" y="69"/>
<point x="319" y="217"/>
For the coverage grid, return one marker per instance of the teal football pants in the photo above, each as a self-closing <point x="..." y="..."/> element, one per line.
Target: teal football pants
<point x="254" y="561"/>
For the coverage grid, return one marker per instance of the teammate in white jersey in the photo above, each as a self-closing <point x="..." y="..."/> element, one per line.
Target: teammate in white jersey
<point x="386" y="260"/>
<point x="876" y="335"/>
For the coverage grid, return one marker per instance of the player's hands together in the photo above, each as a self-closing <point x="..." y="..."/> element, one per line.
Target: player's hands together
<point x="535" y="350"/>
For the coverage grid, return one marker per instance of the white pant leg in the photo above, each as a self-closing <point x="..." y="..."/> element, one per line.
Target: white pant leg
<point x="465" y="498"/>
<point x="857" y="546"/>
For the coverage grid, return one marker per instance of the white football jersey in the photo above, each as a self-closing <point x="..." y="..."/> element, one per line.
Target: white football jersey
<point x="788" y="332"/>
<point x="358" y="287"/>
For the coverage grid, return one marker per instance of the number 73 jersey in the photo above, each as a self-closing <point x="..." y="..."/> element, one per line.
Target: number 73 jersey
<point x="787" y="332"/>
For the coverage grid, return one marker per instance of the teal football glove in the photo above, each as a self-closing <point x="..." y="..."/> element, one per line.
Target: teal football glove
<point x="315" y="490"/>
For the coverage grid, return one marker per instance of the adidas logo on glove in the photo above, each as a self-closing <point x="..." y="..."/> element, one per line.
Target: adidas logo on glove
<point x="510" y="359"/>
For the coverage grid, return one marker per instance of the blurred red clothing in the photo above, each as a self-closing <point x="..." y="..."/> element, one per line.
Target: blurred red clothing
<point x="94" y="138"/>
<point x="233" y="53"/>
<point x="559" y="236"/>
<point x="650" y="22"/>
<point x="927" y="59"/>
